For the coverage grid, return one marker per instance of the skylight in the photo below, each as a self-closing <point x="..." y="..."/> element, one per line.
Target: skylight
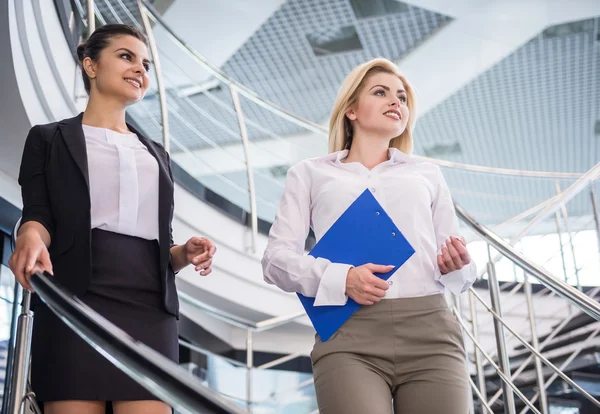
<point x="334" y="40"/>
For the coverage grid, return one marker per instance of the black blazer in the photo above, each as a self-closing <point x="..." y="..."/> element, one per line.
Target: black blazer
<point x="55" y="186"/>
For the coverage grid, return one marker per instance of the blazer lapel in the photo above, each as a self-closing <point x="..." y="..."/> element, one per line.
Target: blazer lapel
<point x="72" y="133"/>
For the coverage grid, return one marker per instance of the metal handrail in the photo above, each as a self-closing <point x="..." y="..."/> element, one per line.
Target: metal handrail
<point x="555" y="331"/>
<point x="561" y="288"/>
<point x="162" y="95"/>
<point x="502" y="375"/>
<point x="238" y="321"/>
<point x="149" y="368"/>
<point x="535" y="352"/>
<point x="206" y="352"/>
<point x="552" y="205"/>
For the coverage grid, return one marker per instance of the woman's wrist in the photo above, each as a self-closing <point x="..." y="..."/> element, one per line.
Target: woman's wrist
<point x="179" y="257"/>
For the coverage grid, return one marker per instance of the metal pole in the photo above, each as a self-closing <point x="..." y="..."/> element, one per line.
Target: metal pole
<point x="162" y="95"/>
<point x="249" y="364"/>
<point x="10" y="358"/>
<point x="478" y="363"/>
<point x="458" y="305"/>
<point x="595" y="212"/>
<point x="20" y="369"/>
<point x="91" y="17"/>
<point x="249" y="172"/>
<point x="535" y="344"/>
<point x="505" y="380"/>
<point x="503" y="361"/>
<point x="560" y="241"/>
<point x="568" y="228"/>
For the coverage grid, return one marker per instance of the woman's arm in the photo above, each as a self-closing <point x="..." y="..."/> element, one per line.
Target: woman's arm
<point x="455" y="269"/>
<point x="35" y="233"/>
<point x="32" y="179"/>
<point x="33" y="227"/>
<point x="284" y="262"/>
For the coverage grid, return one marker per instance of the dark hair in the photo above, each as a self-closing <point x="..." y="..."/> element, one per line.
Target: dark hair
<point x="99" y="40"/>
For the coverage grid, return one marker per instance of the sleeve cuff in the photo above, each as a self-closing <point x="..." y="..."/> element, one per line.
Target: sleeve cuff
<point x="332" y="288"/>
<point x="458" y="281"/>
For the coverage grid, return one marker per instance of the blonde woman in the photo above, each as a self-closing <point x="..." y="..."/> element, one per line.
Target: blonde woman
<point x="402" y="351"/>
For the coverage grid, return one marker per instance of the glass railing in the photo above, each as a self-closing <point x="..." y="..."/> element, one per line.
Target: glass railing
<point x="274" y="391"/>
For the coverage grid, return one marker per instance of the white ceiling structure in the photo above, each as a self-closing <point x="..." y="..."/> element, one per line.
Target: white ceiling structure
<point x="507" y="84"/>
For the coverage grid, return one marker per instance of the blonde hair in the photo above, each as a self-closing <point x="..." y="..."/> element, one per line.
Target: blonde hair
<point x="340" y="127"/>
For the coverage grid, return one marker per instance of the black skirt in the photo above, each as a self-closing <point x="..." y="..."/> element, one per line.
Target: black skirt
<point x="125" y="288"/>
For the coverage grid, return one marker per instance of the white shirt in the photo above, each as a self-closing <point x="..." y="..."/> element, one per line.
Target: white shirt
<point x="319" y="190"/>
<point x="123" y="183"/>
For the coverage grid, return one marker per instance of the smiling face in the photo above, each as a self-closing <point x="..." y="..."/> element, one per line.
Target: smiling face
<point x="121" y="70"/>
<point x="381" y="109"/>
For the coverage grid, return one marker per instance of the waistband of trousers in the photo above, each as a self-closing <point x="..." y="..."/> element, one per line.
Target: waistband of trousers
<point x="420" y="303"/>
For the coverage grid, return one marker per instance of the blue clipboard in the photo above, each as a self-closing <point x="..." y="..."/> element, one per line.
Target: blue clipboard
<point x="364" y="233"/>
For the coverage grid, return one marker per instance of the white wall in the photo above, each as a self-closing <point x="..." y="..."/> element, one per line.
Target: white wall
<point x="50" y="90"/>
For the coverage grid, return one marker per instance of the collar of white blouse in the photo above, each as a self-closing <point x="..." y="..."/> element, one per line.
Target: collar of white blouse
<point x="395" y="156"/>
<point x="105" y="135"/>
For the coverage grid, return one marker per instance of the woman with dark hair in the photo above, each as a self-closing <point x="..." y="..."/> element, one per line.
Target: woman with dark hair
<point x="97" y="212"/>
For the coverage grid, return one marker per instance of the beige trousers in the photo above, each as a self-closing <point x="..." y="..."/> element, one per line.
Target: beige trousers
<point x="402" y="356"/>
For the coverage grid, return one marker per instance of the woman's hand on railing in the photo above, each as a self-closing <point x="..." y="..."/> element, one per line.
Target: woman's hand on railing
<point x="363" y="286"/>
<point x="30" y="256"/>
<point x="454" y="255"/>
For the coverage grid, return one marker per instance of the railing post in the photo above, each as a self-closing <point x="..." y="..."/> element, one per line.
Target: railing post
<point x="560" y="242"/>
<point x="478" y="363"/>
<point x="565" y="214"/>
<point x="503" y="360"/>
<point x="249" y="365"/>
<point x="459" y="310"/>
<point x="595" y="213"/>
<point x="10" y="357"/>
<point x="535" y="344"/>
<point x="91" y="17"/>
<point x="162" y="95"/>
<point x="20" y="364"/>
<point x="251" y="188"/>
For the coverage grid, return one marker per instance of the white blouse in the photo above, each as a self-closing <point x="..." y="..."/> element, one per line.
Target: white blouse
<point x="123" y="183"/>
<point x="319" y="190"/>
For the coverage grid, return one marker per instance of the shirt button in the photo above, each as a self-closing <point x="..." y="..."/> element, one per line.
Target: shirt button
<point x="373" y="190"/>
<point x="368" y="177"/>
<point x="390" y="282"/>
